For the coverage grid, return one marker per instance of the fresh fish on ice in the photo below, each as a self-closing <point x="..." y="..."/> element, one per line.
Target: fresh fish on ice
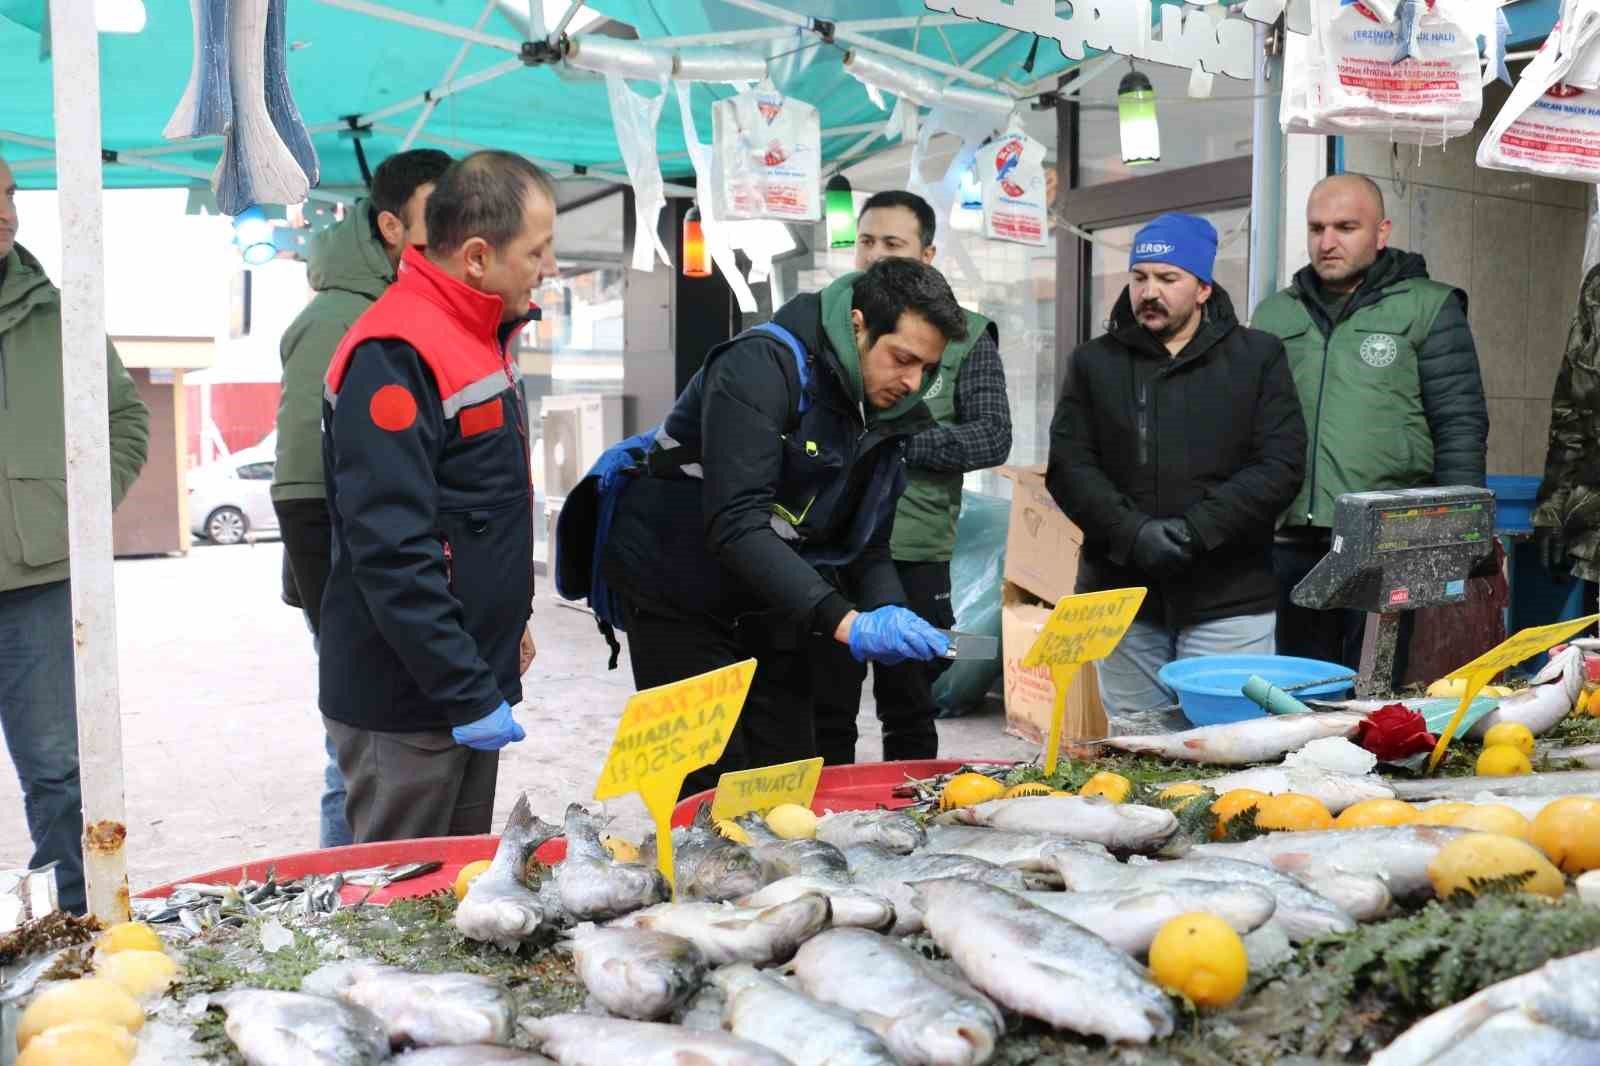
<point x="471" y="1055"/>
<point x="1586" y="755"/>
<point x="1302" y="913"/>
<point x="1554" y="783"/>
<point x="892" y="876"/>
<point x="894" y="830"/>
<point x="790" y="858"/>
<point x="728" y="934"/>
<point x="1548" y="1017"/>
<point x="927" y="1016"/>
<point x="256" y="166"/>
<point x="426" y="1010"/>
<point x="708" y="866"/>
<point x="295" y="1029"/>
<point x="280" y="100"/>
<point x="1256" y="740"/>
<point x="585" y="1040"/>
<point x="1030" y="852"/>
<point x="592" y="885"/>
<point x="1130" y="919"/>
<point x="1334" y="791"/>
<point x="206" y="107"/>
<point x="642" y="974"/>
<point x="852" y="905"/>
<point x="499" y="908"/>
<point x="762" y="1007"/>
<point x="1396" y="855"/>
<point x="1118" y="826"/>
<point x="1044" y="966"/>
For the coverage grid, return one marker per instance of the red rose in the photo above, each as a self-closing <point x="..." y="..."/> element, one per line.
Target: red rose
<point x="1394" y="732"/>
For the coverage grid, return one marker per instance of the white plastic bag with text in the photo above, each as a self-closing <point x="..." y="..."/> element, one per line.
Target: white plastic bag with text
<point x="1011" y="175"/>
<point x="766" y="157"/>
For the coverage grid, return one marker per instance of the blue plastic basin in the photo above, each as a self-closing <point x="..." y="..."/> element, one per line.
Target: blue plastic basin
<point x="1208" y="685"/>
<point x="1513" y="501"/>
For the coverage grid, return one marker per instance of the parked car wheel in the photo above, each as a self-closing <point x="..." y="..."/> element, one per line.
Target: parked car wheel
<point x="226" y="525"/>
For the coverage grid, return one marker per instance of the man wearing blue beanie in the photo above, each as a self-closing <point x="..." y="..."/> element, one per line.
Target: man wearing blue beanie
<point x="1177" y="442"/>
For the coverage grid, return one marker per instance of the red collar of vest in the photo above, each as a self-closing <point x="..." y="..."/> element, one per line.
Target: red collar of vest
<point x="479" y="312"/>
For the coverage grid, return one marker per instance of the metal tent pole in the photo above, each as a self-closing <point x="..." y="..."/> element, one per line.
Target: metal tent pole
<point x="75" y="65"/>
<point x="1266" y="172"/>
<point x="450" y="72"/>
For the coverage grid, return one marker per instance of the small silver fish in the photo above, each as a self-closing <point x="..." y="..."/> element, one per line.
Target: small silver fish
<point x="894" y="877"/>
<point x="762" y="1007"/>
<point x="1397" y="856"/>
<point x="728" y="934"/>
<point x="1256" y="740"/>
<point x="499" y="908"/>
<point x="791" y="858"/>
<point x="642" y="974"/>
<point x="420" y="1009"/>
<point x="585" y="1040"/>
<point x="1118" y="826"/>
<point x="471" y="1055"/>
<point x="295" y="1029"/>
<point x="852" y="905"/>
<point x="708" y="866"/>
<point x="1030" y="852"/>
<point x="1130" y="920"/>
<point x="1554" y="783"/>
<point x="894" y="830"/>
<point x="593" y="886"/>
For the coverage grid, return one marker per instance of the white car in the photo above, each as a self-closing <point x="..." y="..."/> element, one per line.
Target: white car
<point x="233" y="498"/>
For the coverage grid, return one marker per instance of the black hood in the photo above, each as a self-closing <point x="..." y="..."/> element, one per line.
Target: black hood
<point x="1392" y="266"/>
<point x="1220" y="320"/>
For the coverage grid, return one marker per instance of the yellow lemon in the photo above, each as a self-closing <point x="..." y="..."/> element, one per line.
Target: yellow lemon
<point x="1494" y="818"/>
<point x="1232" y="803"/>
<point x="468" y="873"/>
<point x="1180" y="796"/>
<point x="733" y="831"/>
<point x="1113" y="787"/>
<point x="1513" y="734"/>
<point x="127" y="936"/>
<point x="1580" y="706"/>
<point x="1442" y="813"/>
<point x="1456" y="687"/>
<point x="793" y="822"/>
<point x="620" y="849"/>
<point x="1490" y="857"/>
<point x="142" y="974"/>
<point x="1502" y="760"/>
<point x="1375" y="812"/>
<point x="969" y="790"/>
<point x="88" y="999"/>
<point x="1568" y="831"/>
<point x="1027" y="788"/>
<point x="1293" y="811"/>
<point x="80" y="1044"/>
<point x="1200" y="956"/>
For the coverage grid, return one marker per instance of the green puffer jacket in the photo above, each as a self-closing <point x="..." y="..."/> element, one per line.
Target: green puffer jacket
<point x="1569" y="496"/>
<point x="33" y="436"/>
<point x="348" y="269"/>
<point x="1391" y="388"/>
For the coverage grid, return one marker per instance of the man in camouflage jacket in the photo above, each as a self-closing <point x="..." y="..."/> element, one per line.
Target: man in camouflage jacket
<point x="1567" y="514"/>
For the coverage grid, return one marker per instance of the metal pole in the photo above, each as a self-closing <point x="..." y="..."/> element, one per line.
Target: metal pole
<point x="76" y="74"/>
<point x="1266" y="170"/>
<point x="448" y="29"/>
<point x="450" y="72"/>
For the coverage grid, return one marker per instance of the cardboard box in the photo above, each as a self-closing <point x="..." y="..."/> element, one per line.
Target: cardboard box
<point x="1030" y="694"/>
<point x="1042" y="544"/>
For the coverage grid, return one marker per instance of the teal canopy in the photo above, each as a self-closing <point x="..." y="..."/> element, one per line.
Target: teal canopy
<point x="343" y="63"/>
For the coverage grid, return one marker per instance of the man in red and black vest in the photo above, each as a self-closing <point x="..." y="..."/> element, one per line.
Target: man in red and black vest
<point x="425" y="450"/>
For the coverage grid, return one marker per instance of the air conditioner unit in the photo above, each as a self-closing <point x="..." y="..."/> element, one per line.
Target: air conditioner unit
<point x="576" y="428"/>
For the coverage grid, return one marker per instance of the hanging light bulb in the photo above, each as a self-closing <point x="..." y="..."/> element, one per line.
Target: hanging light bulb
<point x="253" y="234"/>
<point x="696" y="258"/>
<point x="1136" y="112"/>
<point x="841" y="212"/>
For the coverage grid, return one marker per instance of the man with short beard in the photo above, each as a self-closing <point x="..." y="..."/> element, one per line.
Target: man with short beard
<point x="1177" y="442"/>
<point x="1388" y="375"/>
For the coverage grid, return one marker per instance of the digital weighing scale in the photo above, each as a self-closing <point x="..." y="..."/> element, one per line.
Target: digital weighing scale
<point x="1397" y="551"/>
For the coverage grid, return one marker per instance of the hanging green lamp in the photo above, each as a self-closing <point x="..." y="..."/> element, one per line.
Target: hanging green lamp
<point x="839" y="205"/>
<point x="1136" y="112"/>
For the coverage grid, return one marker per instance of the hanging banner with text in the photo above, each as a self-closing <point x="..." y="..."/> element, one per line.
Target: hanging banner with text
<point x="666" y="734"/>
<point x="1081" y="629"/>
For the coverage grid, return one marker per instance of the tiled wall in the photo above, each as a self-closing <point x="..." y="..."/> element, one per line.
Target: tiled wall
<point x="1515" y="243"/>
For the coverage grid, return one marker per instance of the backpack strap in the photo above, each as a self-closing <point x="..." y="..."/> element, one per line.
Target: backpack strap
<point x="802" y="358"/>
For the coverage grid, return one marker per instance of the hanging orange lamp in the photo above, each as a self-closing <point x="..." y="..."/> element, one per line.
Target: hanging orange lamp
<point x="696" y="259"/>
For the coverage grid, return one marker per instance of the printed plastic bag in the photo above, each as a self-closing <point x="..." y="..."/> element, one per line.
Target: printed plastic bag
<point x="1011" y="175"/>
<point x="766" y="157"/>
<point x="975" y="570"/>
<point x="1415" y="78"/>
<point x="1550" y="125"/>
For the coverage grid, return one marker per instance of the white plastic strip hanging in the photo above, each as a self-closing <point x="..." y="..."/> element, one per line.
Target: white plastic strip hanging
<point x="635" y="118"/>
<point x="716" y="236"/>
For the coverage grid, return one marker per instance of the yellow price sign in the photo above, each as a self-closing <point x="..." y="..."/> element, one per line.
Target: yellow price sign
<point x="1081" y="629"/>
<point x="1508" y="653"/>
<point x="666" y="734"/>
<point x="742" y="791"/>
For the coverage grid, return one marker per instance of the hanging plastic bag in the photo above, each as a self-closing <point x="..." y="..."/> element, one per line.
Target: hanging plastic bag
<point x="1011" y="174"/>
<point x="766" y="157"/>
<point x="1415" y="78"/>
<point x="715" y="231"/>
<point x="975" y="571"/>
<point x="635" y="118"/>
<point x="1550" y="125"/>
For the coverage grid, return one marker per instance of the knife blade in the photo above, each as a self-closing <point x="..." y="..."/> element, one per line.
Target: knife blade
<point x="971" y="645"/>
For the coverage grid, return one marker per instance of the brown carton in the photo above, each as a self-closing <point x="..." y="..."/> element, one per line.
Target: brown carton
<point x="1042" y="544"/>
<point x="1030" y="694"/>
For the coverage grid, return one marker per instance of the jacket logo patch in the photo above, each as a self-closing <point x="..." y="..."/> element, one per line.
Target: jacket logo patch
<point x="482" y="418"/>
<point x="393" y="408"/>
<point x="936" y="389"/>
<point x="1379" y="350"/>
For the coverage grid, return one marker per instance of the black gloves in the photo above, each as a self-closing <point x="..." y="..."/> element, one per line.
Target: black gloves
<point x="1553" y="552"/>
<point x="1164" y="547"/>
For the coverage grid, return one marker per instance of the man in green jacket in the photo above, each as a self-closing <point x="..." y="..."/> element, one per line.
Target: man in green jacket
<point x="968" y="401"/>
<point x="350" y="266"/>
<point x="1388" y="376"/>
<point x="38" y="708"/>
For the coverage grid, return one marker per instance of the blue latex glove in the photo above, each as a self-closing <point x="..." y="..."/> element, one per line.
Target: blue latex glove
<point x="491" y="732"/>
<point x="892" y="635"/>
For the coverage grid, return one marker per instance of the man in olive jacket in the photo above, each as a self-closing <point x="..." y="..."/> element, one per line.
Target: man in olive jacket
<point x="1567" y="515"/>
<point x="1388" y="375"/>
<point x="351" y="264"/>
<point x="38" y="708"/>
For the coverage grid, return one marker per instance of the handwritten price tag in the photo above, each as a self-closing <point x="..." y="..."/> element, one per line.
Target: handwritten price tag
<point x="742" y="791"/>
<point x="666" y="734"/>
<point x="1510" y="652"/>
<point x="1081" y="629"/>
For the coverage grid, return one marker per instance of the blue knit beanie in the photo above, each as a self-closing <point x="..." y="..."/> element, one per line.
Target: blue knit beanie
<point x="1186" y="241"/>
